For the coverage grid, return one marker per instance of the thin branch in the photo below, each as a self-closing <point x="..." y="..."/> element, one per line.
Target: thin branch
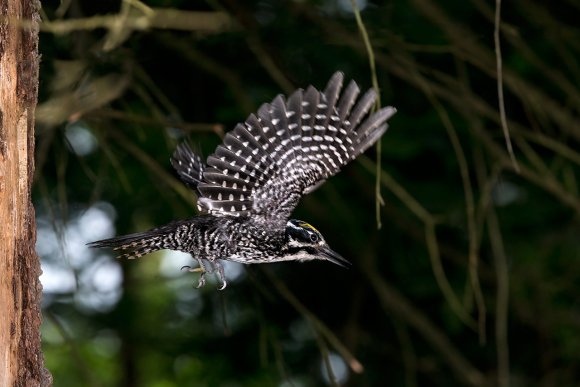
<point x="409" y="355"/>
<point x="326" y="359"/>
<point x="152" y="165"/>
<point x="279" y="360"/>
<point x="441" y="277"/>
<point x="553" y="73"/>
<point x="548" y="183"/>
<point x="400" y="192"/>
<point x="371" y="55"/>
<point x="139" y="119"/>
<point x="504" y="125"/>
<point x="502" y="283"/>
<point x="393" y="302"/>
<point x="159" y="18"/>
<point x="265" y="59"/>
<point x="430" y="239"/>
<point x="469" y="203"/>
<point x="558" y="147"/>
<point x="143" y="77"/>
<point x="349" y="358"/>
<point x="502" y="303"/>
<point x="224" y="73"/>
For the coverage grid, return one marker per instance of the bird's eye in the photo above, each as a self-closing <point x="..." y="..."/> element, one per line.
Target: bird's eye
<point x="313" y="238"/>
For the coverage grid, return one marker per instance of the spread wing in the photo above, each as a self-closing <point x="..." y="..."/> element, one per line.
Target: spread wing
<point x="288" y="149"/>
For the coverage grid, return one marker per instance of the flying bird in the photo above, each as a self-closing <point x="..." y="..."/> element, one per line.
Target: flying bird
<point x="248" y="188"/>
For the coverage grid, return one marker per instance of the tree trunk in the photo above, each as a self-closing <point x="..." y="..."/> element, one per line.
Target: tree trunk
<point x="21" y="360"/>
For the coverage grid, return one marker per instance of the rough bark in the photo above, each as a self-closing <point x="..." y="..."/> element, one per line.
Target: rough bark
<point x="21" y="360"/>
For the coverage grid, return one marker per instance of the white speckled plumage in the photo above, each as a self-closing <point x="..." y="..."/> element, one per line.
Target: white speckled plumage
<point x="250" y="185"/>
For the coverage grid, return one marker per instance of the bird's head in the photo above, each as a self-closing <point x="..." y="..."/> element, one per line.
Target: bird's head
<point x="304" y="242"/>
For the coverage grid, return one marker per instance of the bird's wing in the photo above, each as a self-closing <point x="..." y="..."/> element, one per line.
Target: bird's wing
<point x="189" y="166"/>
<point x="288" y="149"/>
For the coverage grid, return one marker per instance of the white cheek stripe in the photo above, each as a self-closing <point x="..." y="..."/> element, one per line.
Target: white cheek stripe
<point x="303" y="256"/>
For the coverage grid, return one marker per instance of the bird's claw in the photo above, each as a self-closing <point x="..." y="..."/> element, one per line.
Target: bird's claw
<point x="201" y="270"/>
<point x="193" y="269"/>
<point x="208" y="267"/>
<point x="221" y="275"/>
<point x="201" y="282"/>
<point x="224" y="284"/>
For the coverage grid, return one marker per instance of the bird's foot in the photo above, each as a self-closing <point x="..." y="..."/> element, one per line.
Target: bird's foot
<point x="224" y="284"/>
<point x="201" y="282"/>
<point x="206" y="266"/>
<point x="199" y="269"/>
<point x="193" y="269"/>
<point x="221" y="275"/>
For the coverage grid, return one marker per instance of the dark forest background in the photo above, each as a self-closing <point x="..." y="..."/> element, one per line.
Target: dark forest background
<point x="473" y="277"/>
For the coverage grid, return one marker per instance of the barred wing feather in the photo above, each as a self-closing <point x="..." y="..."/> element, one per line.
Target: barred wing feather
<point x="288" y="149"/>
<point x="188" y="165"/>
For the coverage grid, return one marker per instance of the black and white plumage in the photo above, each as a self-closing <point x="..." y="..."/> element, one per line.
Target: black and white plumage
<point x="188" y="165"/>
<point x="249" y="187"/>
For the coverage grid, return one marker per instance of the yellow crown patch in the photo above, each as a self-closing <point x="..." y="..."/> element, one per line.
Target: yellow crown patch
<point x="308" y="225"/>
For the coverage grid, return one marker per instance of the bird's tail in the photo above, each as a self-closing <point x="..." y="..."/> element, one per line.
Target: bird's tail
<point x="138" y="244"/>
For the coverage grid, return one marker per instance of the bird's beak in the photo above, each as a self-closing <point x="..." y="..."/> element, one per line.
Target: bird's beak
<point x="332" y="256"/>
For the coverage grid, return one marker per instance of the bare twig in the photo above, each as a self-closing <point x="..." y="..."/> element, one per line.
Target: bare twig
<point x="265" y="59"/>
<point x="371" y="55"/>
<point x="430" y="239"/>
<point x="325" y="353"/>
<point x="502" y="283"/>
<point x="211" y="66"/>
<point x="393" y="302"/>
<point x="554" y="73"/>
<point x="504" y="125"/>
<point x="469" y="203"/>
<point x="468" y="48"/>
<point x="152" y="165"/>
<point x="409" y="356"/>
<point x="320" y="327"/>
<point x="139" y="119"/>
<point x="159" y="18"/>
<point x="502" y="286"/>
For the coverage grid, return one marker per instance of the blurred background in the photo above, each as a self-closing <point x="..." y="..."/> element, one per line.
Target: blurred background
<point x="472" y="278"/>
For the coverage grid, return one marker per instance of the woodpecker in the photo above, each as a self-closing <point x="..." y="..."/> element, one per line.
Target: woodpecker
<point x="248" y="188"/>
